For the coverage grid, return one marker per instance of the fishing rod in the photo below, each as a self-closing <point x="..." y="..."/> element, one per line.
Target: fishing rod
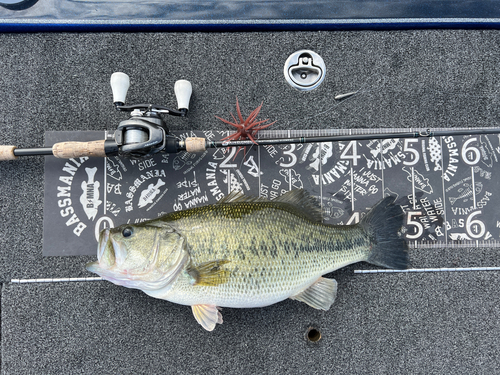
<point x="171" y="144"/>
<point x="145" y="132"/>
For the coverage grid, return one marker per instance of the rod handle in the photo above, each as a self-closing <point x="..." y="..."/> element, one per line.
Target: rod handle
<point x="195" y="144"/>
<point x="68" y="150"/>
<point x="7" y="153"/>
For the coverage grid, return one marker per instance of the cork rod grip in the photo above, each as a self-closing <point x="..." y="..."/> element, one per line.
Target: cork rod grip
<point x="7" y="153"/>
<point x="67" y="150"/>
<point x="195" y="144"/>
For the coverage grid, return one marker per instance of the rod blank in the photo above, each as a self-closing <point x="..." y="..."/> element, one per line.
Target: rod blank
<point x="100" y="148"/>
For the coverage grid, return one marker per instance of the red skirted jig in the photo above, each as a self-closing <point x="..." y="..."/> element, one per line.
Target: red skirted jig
<point x="247" y="129"/>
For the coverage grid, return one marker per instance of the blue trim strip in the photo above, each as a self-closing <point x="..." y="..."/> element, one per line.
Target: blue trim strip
<point x="33" y="25"/>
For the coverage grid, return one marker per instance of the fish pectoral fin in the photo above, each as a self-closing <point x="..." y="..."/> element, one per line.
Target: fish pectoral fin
<point x="209" y="273"/>
<point x="319" y="295"/>
<point x="207" y="315"/>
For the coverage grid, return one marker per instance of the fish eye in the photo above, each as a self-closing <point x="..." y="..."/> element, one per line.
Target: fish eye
<point x="127" y="231"/>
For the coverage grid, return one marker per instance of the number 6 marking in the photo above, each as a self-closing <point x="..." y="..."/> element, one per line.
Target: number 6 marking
<point x="476" y="224"/>
<point x="466" y="149"/>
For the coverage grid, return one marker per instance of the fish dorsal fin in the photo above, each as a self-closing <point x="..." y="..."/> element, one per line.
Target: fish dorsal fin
<point x="304" y="202"/>
<point x="319" y="295"/>
<point x="207" y="315"/>
<point x="300" y="199"/>
<point x="239" y="197"/>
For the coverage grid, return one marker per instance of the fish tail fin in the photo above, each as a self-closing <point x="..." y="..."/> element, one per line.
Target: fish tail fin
<point x="382" y="224"/>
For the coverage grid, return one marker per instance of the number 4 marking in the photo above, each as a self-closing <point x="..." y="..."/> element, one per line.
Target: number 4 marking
<point x="354" y="155"/>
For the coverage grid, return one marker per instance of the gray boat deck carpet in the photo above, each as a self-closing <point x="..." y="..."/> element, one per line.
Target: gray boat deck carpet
<point x="419" y="323"/>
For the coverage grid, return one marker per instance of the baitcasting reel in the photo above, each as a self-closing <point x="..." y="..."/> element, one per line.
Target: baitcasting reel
<point x="145" y="133"/>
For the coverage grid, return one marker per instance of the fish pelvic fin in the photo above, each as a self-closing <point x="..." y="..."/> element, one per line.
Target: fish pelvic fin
<point x="209" y="273"/>
<point x="207" y="315"/>
<point x="320" y="295"/>
<point x="383" y="224"/>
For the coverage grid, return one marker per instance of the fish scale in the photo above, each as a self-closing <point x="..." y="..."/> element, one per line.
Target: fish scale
<point x="247" y="252"/>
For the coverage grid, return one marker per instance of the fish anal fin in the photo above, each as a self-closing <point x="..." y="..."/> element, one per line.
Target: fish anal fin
<point x="207" y="315"/>
<point x="209" y="273"/>
<point x="320" y="295"/>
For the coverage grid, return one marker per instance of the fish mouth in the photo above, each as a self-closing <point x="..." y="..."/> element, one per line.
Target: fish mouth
<point x="103" y="241"/>
<point x="93" y="267"/>
<point x="107" y="274"/>
<point x="97" y="267"/>
<point x="110" y="254"/>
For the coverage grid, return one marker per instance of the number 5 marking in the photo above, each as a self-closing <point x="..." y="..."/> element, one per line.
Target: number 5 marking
<point x="416" y="223"/>
<point x="407" y="148"/>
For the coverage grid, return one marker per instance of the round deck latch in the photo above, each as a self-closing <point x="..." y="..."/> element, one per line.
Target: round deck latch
<point x="304" y="70"/>
<point x="17" y="4"/>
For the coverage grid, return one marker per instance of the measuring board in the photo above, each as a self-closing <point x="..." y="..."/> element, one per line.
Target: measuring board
<point x="448" y="186"/>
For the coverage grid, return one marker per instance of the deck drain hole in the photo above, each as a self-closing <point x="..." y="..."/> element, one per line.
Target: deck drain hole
<point x="313" y="334"/>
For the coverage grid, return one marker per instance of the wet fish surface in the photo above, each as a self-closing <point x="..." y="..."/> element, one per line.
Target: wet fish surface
<point x="246" y="252"/>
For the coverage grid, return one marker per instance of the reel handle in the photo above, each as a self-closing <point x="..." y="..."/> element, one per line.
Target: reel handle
<point x="183" y="90"/>
<point x="120" y="82"/>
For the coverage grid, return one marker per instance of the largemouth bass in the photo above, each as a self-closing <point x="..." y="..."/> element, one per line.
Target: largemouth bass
<point x="247" y="252"/>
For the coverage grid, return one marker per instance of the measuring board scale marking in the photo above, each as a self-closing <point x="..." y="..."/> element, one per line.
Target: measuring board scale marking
<point x="447" y="186"/>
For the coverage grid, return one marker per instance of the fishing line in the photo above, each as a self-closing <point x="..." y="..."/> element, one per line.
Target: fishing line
<point x="410" y="270"/>
<point x="56" y="280"/>
<point x="422" y="270"/>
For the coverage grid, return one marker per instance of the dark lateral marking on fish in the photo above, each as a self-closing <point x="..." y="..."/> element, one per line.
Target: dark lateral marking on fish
<point x="274" y="252"/>
<point x="254" y="246"/>
<point x="263" y="249"/>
